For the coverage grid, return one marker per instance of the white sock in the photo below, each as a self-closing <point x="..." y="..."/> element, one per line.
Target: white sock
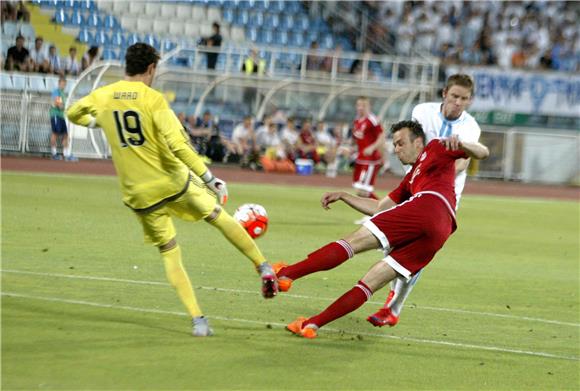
<point x="402" y="290"/>
<point x="66" y="151"/>
<point x="53" y="150"/>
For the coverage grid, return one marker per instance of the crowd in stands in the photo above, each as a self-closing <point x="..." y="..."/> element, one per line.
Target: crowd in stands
<point x="276" y="139"/>
<point x="538" y="35"/>
<point x="39" y="56"/>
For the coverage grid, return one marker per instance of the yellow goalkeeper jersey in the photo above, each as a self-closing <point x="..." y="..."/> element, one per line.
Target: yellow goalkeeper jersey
<point x="151" y="152"/>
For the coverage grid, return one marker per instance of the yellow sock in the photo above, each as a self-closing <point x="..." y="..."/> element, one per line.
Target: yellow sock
<point x="178" y="278"/>
<point x="238" y="236"/>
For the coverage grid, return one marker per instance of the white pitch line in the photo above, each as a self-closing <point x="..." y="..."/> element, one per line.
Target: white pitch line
<point x="289" y="295"/>
<point x="330" y="329"/>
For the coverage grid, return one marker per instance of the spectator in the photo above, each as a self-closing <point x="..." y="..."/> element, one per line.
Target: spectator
<point x="54" y="61"/>
<point x="313" y="60"/>
<point x="15" y="12"/>
<point x="18" y="57"/>
<point x="200" y="132"/>
<point x="213" y="41"/>
<point x="244" y="143"/>
<point x="58" y="123"/>
<point x="289" y="139"/>
<point x="92" y="55"/>
<point x="71" y="64"/>
<point x="326" y="148"/>
<point x="269" y="141"/>
<point x="253" y="65"/>
<point x="306" y="146"/>
<point x="39" y="61"/>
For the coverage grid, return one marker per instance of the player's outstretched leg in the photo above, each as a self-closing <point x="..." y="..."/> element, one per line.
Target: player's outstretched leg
<point x="389" y="314"/>
<point x="379" y="275"/>
<point x="325" y="258"/>
<point x="237" y="236"/>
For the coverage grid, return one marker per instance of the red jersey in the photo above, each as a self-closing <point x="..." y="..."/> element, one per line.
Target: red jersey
<point x="434" y="173"/>
<point x="307" y="138"/>
<point x="366" y="132"/>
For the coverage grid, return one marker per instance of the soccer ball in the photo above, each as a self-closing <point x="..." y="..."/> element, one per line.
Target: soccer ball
<point x="253" y="218"/>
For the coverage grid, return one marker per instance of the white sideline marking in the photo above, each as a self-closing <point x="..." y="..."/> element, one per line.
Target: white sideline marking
<point x="406" y="339"/>
<point x="290" y="295"/>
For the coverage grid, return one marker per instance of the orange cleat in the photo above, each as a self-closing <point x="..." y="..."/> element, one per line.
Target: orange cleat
<point x="383" y="317"/>
<point x="309" y="331"/>
<point x="284" y="283"/>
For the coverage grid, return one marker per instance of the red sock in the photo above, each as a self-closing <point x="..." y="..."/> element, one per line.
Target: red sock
<point x="325" y="258"/>
<point x="373" y="196"/>
<point x="345" y="304"/>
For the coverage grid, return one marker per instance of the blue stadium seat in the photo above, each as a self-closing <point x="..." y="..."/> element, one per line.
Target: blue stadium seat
<point x="228" y="15"/>
<point x="242" y="18"/>
<point x="168" y="45"/>
<point x="281" y="38"/>
<point x="88" y="5"/>
<point x="77" y="19"/>
<point x="257" y="19"/>
<point x="152" y="40"/>
<point x="266" y="36"/>
<point x="252" y="34"/>
<point x="109" y="54"/>
<point x="260" y="5"/>
<point x="327" y="41"/>
<point x="117" y="39"/>
<point x="293" y="7"/>
<point x="277" y="6"/>
<point x="287" y="22"/>
<point x="132" y="39"/>
<point x="61" y="17"/>
<point x="85" y="36"/>
<point x="111" y="22"/>
<point x="297" y="39"/>
<point x="271" y="21"/>
<point x="245" y="5"/>
<point x="102" y="38"/>
<point x="93" y="20"/>
<point x="302" y="23"/>
<point x="312" y="35"/>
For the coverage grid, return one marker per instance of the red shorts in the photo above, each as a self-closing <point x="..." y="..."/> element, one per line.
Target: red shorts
<point x="365" y="175"/>
<point x="412" y="232"/>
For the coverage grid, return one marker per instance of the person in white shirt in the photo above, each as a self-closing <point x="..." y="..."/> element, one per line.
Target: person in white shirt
<point x="39" y="56"/>
<point x="289" y="138"/>
<point x="244" y="143"/>
<point x="71" y="64"/>
<point x="439" y="120"/>
<point x="55" y="63"/>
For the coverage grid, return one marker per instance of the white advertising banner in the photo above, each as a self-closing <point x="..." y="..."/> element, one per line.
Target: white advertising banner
<point x="514" y="91"/>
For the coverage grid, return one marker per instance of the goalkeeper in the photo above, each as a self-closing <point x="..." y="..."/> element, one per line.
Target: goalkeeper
<point x="160" y="174"/>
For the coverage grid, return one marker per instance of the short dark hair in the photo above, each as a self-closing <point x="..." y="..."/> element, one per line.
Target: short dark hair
<point x="138" y="57"/>
<point x="216" y="25"/>
<point x="414" y="126"/>
<point x="461" y="79"/>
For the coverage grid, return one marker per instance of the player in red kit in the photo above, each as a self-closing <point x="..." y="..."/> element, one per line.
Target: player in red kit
<point x="369" y="137"/>
<point x="411" y="224"/>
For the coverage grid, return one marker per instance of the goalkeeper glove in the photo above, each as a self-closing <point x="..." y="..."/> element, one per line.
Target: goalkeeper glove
<point x="217" y="186"/>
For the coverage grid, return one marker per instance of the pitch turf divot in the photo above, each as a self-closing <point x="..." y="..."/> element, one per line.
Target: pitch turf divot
<point x="327" y="329"/>
<point x="289" y="295"/>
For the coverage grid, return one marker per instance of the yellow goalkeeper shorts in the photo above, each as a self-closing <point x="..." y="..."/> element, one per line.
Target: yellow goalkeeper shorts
<point x="195" y="204"/>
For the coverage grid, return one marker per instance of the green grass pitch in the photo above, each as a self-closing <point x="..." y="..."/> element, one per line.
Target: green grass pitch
<point x="85" y="304"/>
